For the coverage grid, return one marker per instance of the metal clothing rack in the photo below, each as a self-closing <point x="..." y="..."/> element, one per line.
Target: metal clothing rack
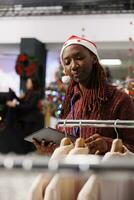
<point x="77" y="163"/>
<point x="97" y="123"/>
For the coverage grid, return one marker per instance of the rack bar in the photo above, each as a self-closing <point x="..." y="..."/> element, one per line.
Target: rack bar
<point x="77" y="163"/>
<point x="97" y="123"/>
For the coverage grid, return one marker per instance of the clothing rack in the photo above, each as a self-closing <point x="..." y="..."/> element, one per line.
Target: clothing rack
<point x="97" y="123"/>
<point x="77" y="163"/>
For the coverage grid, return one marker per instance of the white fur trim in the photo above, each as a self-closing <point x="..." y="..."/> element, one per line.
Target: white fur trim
<point x="84" y="43"/>
<point x="66" y="79"/>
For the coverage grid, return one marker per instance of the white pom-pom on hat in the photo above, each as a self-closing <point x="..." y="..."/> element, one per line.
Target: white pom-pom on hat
<point x="66" y="79"/>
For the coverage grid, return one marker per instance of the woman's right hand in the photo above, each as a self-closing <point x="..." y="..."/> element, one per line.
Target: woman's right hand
<point x="44" y="147"/>
<point x="11" y="104"/>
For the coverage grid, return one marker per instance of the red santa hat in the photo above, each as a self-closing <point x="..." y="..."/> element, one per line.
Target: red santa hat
<point x="81" y="41"/>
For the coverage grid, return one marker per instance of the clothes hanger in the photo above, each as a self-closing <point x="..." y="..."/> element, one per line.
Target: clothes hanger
<point x="80" y="146"/>
<point x="117" y="144"/>
<point x="80" y="142"/>
<point x="66" y="140"/>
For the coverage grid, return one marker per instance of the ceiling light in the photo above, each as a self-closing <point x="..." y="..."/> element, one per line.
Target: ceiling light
<point x="110" y="62"/>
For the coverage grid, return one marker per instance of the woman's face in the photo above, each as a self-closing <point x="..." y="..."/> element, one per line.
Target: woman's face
<point x="29" y="84"/>
<point x="78" y="63"/>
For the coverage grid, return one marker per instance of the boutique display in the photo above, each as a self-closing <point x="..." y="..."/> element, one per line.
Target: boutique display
<point x="87" y="182"/>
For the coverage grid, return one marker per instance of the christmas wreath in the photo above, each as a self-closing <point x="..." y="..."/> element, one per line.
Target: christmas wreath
<point x="25" y="65"/>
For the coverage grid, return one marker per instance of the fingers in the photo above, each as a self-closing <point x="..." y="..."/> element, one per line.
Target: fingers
<point x="43" y="143"/>
<point x="93" y="147"/>
<point x="92" y="138"/>
<point x="50" y="144"/>
<point x="51" y="147"/>
<point x="36" y="143"/>
<point x="43" y="146"/>
<point x="97" y="152"/>
<point x="39" y="146"/>
<point x="98" y="146"/>
<point x="124" y="149"/>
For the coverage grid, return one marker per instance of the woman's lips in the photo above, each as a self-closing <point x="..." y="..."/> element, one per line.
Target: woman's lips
<point x="76" y="74"/>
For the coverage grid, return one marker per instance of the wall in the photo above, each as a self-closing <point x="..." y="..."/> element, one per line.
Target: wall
<point x="8" y="76"/>
<point x="57" y="28"/>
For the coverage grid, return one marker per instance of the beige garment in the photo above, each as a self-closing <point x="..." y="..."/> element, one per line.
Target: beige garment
<point x="38" y="187"/>
<point x="66" y="187"/>
<point x="104" y="188"/>
<point x="78" y="150"/>
<point x="115" y="155"/>
<point x="14" y="183"/>
<point x="61" y="151"/>
<point x="109" y="187"/>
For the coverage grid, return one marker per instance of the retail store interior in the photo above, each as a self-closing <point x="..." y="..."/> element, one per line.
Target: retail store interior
<point x="32" y="34"/>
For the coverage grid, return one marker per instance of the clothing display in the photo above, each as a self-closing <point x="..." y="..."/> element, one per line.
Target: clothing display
<point x="37" y="190"/>
<point x="64" y="187"/>
<point x="61" y="151"/>
<point x="73" y="186"/>
<point x="15" y="184"/>
<point x="101" y="187"/>
<point x="79" y="148"/>
<point x="69" y="182"/>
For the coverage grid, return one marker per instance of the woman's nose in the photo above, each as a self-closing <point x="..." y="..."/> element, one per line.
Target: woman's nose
<point x="74" y="65"/>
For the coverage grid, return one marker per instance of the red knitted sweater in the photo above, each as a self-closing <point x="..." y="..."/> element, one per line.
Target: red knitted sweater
<point x="117" y="105"/>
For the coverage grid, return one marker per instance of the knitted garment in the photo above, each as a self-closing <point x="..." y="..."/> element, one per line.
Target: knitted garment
<point x="109" y="186"/>
<point x="116" y="105"/>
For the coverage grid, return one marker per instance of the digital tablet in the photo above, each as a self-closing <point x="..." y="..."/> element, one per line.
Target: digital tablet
<point x="49" y="134"/>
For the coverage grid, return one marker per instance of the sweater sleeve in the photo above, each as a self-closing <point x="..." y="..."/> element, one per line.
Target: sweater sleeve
<point x="125" y="111"/>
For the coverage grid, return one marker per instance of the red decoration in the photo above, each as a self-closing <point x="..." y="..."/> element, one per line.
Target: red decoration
<point x="25" y="66"/>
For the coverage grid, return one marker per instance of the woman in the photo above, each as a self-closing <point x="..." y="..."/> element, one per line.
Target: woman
<point x="26" y="111"/>
<point x="89" y="96"/>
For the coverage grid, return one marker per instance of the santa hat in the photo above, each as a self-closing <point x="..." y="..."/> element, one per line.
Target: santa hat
<point x="81" y="41"/>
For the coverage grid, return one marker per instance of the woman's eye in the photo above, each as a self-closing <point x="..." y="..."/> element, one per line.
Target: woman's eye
<point x="78" y="57"/>
<point x="67" y="62"/>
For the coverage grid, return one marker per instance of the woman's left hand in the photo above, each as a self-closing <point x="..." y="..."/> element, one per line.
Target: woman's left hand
<point x="96" y="144"/>
<point x="44" y="147"/>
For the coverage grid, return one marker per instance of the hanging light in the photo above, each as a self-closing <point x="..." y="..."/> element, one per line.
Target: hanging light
<point x="110" y="62"/>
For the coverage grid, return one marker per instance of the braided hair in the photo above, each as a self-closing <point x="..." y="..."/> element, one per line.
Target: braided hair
<point x="92" y="95"/>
